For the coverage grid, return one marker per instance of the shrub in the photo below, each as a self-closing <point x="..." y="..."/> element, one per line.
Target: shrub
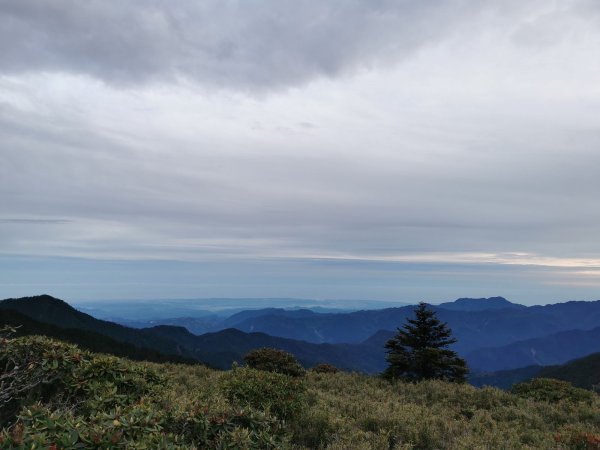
<point x="57" y="396"/>
<point x="325" y="368"/>
<point x="274" y="360"/>
<point x="139" y="427"/>
<point x="551" y="390"/>
<point x="38" y="369"/>
<point x="243" y="428"/>
<point x="278" y="394"/>
<point x="312" y="429"/>
<point x="578" y="439"/>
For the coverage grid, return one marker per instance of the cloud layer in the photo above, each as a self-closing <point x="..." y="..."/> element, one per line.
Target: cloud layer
<point x="442" y="137"/>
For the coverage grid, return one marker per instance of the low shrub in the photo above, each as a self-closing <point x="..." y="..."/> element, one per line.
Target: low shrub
<point x="57" y="396"/>
<point x="551" y="390"/>
<point x="578" y="439"/>
<point x="324" y="368"/>
<point x="38" y="369"/>
<point x="275" y="393"/>
<point x="274" y="360"/>
<point x="312" y="429"/>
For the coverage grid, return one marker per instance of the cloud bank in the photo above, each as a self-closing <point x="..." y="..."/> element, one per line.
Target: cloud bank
<point x="396" y="139"/>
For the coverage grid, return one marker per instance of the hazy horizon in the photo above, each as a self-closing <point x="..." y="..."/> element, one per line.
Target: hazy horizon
<point x="290" y="302"/>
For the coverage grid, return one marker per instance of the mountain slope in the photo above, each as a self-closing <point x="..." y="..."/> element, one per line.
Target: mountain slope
<point x="582" y="372"/>
<point x="50" y="310"/>
<point x="89" y="340"/>
<point x="544" y="351"/>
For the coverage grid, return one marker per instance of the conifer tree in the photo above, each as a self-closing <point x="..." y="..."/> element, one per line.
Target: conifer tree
<point x="419" y="351"/>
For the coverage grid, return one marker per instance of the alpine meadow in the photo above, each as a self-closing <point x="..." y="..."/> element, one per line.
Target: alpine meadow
<point x="296" y="225"/>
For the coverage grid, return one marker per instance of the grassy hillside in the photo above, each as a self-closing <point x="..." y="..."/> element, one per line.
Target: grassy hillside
<point x="57" y="396"/>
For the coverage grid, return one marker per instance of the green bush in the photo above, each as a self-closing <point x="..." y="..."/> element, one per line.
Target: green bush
<point x="37" y="369"/>
<point x="57" y="396"/>
<point x="278" y="394"/>
<point x="312" y="429"/>
<point x="139" y="427"/>
<point x="551" y="390"/>
<point x="324" y="368"/>
<point x="274" y="360"/>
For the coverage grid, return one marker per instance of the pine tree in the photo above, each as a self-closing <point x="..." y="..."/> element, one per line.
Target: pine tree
<point x="419" y="351"/>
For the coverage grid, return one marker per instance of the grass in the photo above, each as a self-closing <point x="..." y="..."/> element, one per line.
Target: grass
<point x="97" y="402"/>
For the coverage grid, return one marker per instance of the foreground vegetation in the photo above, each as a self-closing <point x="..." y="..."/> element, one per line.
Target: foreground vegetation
<point x="54" y="395"/>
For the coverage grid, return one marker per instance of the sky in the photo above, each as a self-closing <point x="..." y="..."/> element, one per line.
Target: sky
<point x="360" y="149"/>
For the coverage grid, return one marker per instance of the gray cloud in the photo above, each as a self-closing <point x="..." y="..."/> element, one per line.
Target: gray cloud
<point x="244" y="45"/>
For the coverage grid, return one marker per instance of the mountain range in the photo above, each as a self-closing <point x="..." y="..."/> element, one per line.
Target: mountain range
<point x="218" y="349"/>
<point x="477" y="324"/>
<point x="494" y="335"/>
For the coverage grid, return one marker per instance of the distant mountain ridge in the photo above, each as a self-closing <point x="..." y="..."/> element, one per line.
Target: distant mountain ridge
<point x="490" y="339"/>
<point x="218" y="349"/>
<point x="476" y="327"/>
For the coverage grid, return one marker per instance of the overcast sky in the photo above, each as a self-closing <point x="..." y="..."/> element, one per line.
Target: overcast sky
<point x="400" y="150"/>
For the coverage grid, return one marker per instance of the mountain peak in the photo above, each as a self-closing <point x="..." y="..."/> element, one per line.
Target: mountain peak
<point x="480" y="304"/>
<point x="43" y="299"/>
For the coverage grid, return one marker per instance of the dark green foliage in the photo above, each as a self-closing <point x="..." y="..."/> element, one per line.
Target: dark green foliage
<point x="325" y="368"/>
<point x="274" y="360"/>
<point x="420" y="350"/>
<point x="281" y="395"/>
<point x="40" y="427"/>
<point x="35" y="369"/>
<point x="547" y="389"/>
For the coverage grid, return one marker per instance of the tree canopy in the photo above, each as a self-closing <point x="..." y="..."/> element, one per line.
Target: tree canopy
<point x="420" y="350"/>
